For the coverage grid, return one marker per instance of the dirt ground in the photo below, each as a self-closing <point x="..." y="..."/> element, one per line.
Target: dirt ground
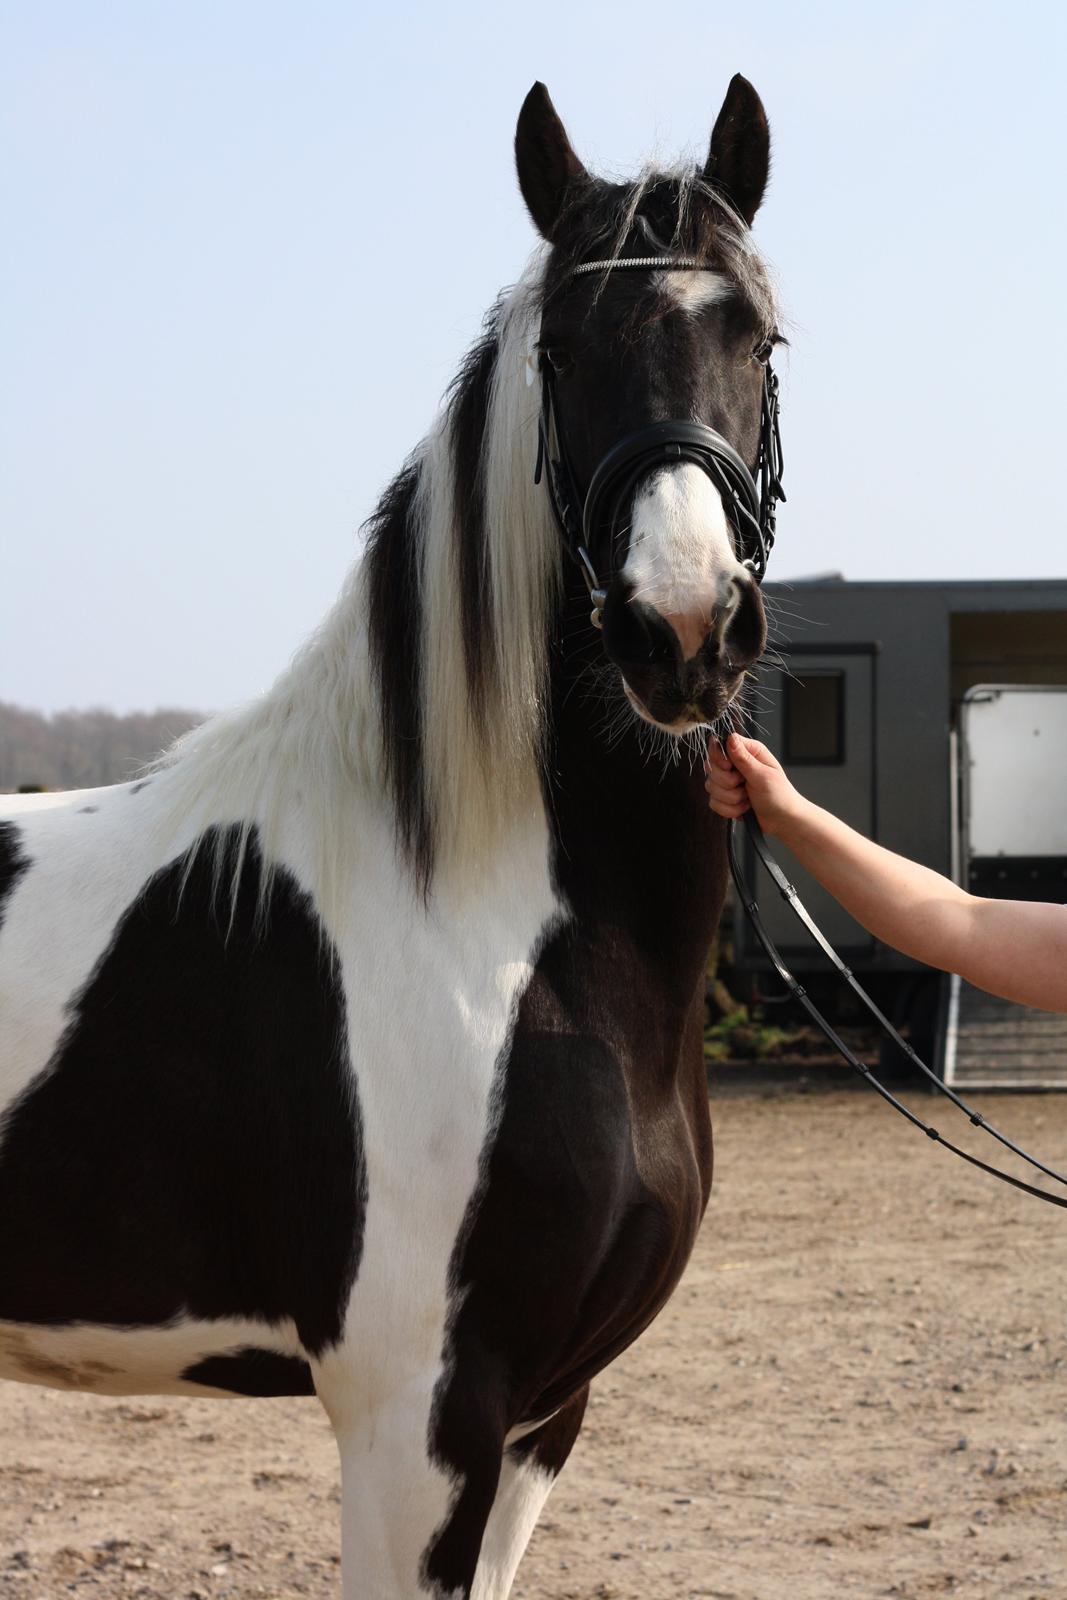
<point x="859" y="1389"/>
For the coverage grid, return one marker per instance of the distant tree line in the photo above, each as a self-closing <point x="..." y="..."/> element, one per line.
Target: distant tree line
<point x="82" y="749"/>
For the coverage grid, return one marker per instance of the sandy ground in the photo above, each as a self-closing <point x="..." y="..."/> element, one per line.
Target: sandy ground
<point x="859" y="1389"/>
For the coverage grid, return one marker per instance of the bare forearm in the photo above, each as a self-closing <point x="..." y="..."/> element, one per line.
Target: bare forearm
<point x="902" y="903"/>
<point x="1012" y="948"/>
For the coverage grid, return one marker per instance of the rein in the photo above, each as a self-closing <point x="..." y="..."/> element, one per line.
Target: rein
<point x="589" y="522"/>
<point x="751" y="510"/>
<point x="797" y="990"/>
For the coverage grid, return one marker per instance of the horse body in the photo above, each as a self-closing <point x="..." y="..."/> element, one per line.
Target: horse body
<point x="284" y="1167"/>
<point x="357" y="1051"/>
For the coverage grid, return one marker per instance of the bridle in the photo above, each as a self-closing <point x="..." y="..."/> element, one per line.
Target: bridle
<point x="590" y="522"/>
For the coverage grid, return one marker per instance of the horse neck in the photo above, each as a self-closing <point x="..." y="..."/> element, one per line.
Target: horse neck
<point x="298" y="766"/>
<point x="637" y="846"/>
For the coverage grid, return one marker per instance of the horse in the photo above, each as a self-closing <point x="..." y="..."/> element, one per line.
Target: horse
<point x="355" y="1049"/>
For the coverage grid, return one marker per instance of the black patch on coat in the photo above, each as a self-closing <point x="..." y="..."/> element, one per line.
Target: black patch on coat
<point x="194" y="1147"/>
<point x="259" y="1373"/>
<point x="13" y="862"/>
<point x="142" y="784"/>
<point x="87" y="811"/>
<point x="596" y="1178"/>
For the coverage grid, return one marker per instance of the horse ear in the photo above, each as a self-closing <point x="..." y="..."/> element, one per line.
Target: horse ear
<point x="740" y="155"/>
<point x="547" y="165"/>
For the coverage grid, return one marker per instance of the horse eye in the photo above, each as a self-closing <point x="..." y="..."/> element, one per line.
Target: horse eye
<point x="763" y="352"/>
<point x="558" y="358"/>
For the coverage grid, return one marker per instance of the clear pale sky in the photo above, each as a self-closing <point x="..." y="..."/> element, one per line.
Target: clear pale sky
<point x="246" y="244"/>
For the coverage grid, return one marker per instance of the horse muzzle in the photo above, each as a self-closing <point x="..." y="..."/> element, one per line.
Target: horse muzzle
<point x="683" y="669"/>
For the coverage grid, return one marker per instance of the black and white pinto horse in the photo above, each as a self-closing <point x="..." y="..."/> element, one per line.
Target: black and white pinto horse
<point x="357" y="1050"/>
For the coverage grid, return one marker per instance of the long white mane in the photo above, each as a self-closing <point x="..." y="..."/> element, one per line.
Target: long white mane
<point x="307" y="756"/>
<point x="479" y="768"/>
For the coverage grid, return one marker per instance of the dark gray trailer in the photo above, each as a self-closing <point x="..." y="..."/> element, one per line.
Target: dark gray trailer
<point x="865" y="713"/>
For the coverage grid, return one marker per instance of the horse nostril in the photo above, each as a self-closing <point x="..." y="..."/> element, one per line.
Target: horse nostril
<point x="636" y="633"/>
<point x="747" y="625"/>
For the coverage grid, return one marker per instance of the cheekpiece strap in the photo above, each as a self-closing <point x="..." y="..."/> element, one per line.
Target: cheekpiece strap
<point x="751" y="508"/>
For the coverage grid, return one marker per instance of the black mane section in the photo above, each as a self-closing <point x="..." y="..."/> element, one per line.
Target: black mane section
<point x="13" y="863"/>
<point x="394" y="557"/>
<point x="395" y="624"/>
<point x="194" y="1146"/>
<point x="470" y="408"/>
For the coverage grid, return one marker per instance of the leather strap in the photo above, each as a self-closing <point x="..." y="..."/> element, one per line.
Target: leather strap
<point x="793" y="900"/>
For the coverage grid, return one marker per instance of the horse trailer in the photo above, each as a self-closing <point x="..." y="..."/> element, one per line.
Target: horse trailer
<point x="932" y="717"/>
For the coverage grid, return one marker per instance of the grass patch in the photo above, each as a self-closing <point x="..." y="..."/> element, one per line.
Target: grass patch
<point x="744" y="1035"/>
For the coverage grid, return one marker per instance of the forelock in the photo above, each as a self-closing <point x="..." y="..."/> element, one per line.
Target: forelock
<point x="663" y="212"/>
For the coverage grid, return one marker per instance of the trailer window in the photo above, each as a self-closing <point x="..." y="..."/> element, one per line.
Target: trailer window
<point x="814" y="714"/>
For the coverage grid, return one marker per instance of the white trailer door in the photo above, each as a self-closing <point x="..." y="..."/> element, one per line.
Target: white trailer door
<point x="1013" y="754"/>
<point x="1012" y="845"/>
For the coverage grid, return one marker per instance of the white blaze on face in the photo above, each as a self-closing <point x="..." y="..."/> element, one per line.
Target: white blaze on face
<point x="681" y="560"/>
<point x="692" y="291"/>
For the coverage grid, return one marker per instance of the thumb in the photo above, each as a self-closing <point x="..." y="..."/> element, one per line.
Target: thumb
<point x="749" y="755"/>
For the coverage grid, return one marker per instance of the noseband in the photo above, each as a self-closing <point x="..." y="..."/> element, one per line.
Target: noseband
<point x="590" y="522"/>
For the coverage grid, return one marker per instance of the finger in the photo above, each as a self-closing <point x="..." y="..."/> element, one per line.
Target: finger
<point x="750" y="752"/>
<point x="724" y="780"/>
<point x="729" y="808"/>
<point x="717" y="757"/>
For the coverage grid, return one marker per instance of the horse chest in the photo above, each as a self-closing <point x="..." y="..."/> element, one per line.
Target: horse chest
<point x="591" y="1195"/>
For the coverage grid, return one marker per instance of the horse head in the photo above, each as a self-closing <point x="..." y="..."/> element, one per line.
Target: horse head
<point x="657" y="323"/>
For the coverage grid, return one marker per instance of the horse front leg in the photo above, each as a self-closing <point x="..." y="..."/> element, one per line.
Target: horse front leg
<point x="528" y="1472"/>
<point x="394" y="1496"/>
<point x="411" y="1527"/>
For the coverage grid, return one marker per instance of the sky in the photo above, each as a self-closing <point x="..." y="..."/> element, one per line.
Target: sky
<point x="246" y="244"/>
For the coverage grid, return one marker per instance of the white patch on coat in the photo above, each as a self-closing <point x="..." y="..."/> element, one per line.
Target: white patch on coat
<point x="108" y="1360"/>
<point x="427" y="1118"/>
<point x="681" y="559"/>
<point x="61" y="914"/>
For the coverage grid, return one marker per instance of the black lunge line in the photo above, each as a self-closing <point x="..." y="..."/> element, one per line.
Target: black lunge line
<point x="793" y="900"/>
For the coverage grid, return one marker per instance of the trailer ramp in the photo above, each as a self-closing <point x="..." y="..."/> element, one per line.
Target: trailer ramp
<point x="992" y="1044"/>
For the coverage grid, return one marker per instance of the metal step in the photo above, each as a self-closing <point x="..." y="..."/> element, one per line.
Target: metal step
<point x="993" y="1044"/>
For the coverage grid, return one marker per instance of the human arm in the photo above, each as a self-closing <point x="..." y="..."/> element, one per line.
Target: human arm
<point x="1013" y="948"/>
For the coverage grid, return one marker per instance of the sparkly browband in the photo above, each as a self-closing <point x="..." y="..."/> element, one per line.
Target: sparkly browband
<point x="686" y="263"/>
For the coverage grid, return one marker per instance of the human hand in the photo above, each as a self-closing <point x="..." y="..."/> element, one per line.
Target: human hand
<point x="746" y="775"/>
